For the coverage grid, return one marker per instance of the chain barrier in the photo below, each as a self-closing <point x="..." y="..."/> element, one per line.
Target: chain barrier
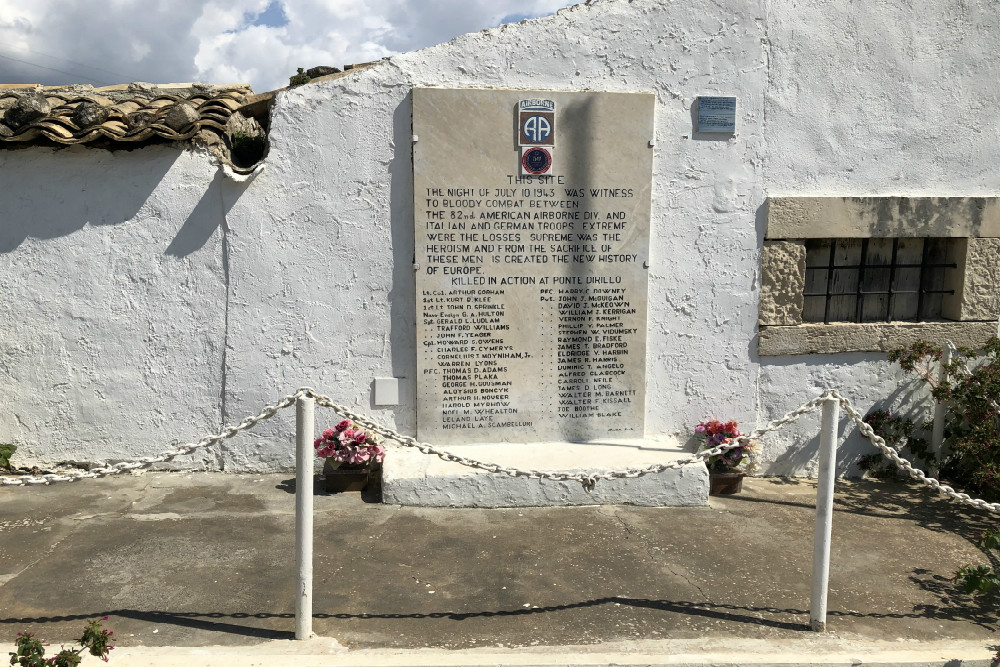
<point x="587" y="479"/>
<point x="72" y="475"/>
<point x="904" y="465"/>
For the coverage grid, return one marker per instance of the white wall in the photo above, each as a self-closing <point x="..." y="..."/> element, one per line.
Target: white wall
<point x="865" y="99"/>
<point x="112" y="322"/>
<point x="834" y="98"/>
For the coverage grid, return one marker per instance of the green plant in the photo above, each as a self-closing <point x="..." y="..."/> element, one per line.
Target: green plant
<point x="972" y="420"/>
<point x="247" y="149"/>
<point x="971" y="394"/>
<point x="982" y="578"/>
<point x="299" y="78"/>
<point x="898" y="432"/>
<point x="31" y="651"/>
<point x="6" y="451"/>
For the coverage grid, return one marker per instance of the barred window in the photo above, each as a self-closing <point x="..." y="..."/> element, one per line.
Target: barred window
<point x="875" y="279"/>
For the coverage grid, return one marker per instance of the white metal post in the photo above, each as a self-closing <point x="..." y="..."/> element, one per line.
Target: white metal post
<point x="304" y="432"/>
<point x="824" y="514"/>
<point x="937" y="435"/>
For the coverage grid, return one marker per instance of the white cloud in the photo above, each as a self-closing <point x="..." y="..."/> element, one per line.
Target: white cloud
<point x="216" y="41"/>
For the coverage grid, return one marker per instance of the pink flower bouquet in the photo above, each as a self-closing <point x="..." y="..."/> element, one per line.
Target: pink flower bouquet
<point x="349" y="445"/>
<point x="724" y="433"/>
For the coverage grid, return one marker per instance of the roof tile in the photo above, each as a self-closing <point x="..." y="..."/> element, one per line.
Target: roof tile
<point x="137" y="112"/>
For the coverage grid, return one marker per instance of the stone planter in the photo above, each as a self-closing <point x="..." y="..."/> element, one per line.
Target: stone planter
<point x="725" y="483"/>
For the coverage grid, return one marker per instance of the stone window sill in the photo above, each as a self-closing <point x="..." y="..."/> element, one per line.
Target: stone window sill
<point x="869" y="337"/>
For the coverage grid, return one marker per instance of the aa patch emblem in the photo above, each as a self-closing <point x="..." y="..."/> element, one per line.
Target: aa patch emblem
<point x="536" y="123"/>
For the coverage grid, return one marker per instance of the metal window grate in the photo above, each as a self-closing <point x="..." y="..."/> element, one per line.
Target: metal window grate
<point x="875" y="280"/>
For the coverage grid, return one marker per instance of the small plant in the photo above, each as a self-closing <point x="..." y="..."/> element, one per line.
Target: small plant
<point x="299" y="78"/>
<point x="31" y="651"/>
<point x="898" y="432"/>
<point x="247" y="149"/>
<point x="350" y="446"/>
<point x="972" y="421"/>
<point x="725" y="433"/>
<point x="982" y="578"/>
<point x="6" y="451"/>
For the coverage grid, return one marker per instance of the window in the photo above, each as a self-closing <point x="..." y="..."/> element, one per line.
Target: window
<point x="876" y="279"/>
<point x="870" y="274"/>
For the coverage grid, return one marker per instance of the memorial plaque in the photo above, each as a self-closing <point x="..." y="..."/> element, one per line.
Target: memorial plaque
<point x="532" y="237"/>
<point x="717" y="114"/>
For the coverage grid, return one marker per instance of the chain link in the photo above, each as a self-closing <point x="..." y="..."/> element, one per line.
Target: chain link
<point x="901" y="463"/>
<point x="104" y="469"/>
<point x="587" y="479"/>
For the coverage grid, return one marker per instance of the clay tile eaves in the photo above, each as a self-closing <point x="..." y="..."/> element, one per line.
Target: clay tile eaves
<point x="130" y="114"/>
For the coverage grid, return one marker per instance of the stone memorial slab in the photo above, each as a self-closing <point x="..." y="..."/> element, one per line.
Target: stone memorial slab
<point x="532" y="237"/>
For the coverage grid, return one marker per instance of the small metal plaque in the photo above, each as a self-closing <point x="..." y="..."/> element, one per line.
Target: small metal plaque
<point x="717" y="114"/>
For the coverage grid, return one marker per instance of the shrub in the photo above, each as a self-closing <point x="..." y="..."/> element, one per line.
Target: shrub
<point x="982" y="578"/>
<point x="6" y="451"/>
<point x="31" y="651"/>
<point x="972" y="421"/>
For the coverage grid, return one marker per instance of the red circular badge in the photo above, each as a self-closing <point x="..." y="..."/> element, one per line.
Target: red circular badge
<point x="537" y="160"/>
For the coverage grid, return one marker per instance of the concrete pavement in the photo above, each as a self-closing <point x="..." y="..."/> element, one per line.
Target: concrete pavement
<point x="183" y="562"/>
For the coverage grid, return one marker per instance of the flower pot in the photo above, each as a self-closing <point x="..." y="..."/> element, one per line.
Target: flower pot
<point x="725" y="483"/>
<point x="344" y="478"/>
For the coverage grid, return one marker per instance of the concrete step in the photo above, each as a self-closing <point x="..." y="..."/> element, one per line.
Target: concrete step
<point x="414" y="479"/>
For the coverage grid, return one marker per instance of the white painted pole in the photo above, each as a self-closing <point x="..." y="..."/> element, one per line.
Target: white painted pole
<point x="824" y="515"/>
<point x="937" y="434"/>
<point x="304" y="432"/>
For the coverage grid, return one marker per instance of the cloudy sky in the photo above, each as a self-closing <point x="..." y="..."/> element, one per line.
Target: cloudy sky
<point x="260" y="42"/>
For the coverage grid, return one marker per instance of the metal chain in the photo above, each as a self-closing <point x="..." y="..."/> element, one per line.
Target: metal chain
<point x="587" y="479"/>
<point x="71" y="475"/>
<point x="901" y="463"/>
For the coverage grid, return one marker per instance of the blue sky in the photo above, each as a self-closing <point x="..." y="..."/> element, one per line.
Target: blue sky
<point x="260" y="42"/>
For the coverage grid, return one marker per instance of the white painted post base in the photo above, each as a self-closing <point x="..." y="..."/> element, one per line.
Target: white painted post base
<point x="824" y="515"/>
<point x="304" y="432"/>
<point x="937" y="435"/>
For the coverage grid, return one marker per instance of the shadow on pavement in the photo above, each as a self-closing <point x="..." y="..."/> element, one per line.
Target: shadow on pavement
<point x="371" y="494"/>
<point x="184" y="619"/>
<point x="895" y="499"/>
<point x="724" y="612"/>
<point x="954" y="604"/>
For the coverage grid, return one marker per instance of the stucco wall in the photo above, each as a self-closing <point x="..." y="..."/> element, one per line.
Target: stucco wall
<point x="348" y="144"/>
<point x="872" y="99"/>
<point x="307" y="279"/>
<point x="112" y="322"/>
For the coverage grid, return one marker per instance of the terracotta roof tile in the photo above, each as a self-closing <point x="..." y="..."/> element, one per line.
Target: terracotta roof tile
<point x="140" y="116"/>
<point x="138" y="113"/>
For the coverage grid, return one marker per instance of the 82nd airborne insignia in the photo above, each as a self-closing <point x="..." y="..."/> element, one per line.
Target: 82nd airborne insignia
<point x="536" y="123"/>
<point x="536" y="135"/>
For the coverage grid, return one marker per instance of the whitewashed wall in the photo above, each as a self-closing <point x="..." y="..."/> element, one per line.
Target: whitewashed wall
<point x="865" y="99"/>
<point x="308" y="279"/>
<point x="112" y="321"/>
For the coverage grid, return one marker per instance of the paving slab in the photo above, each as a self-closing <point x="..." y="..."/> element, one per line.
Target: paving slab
<point x="203" y="564"/>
